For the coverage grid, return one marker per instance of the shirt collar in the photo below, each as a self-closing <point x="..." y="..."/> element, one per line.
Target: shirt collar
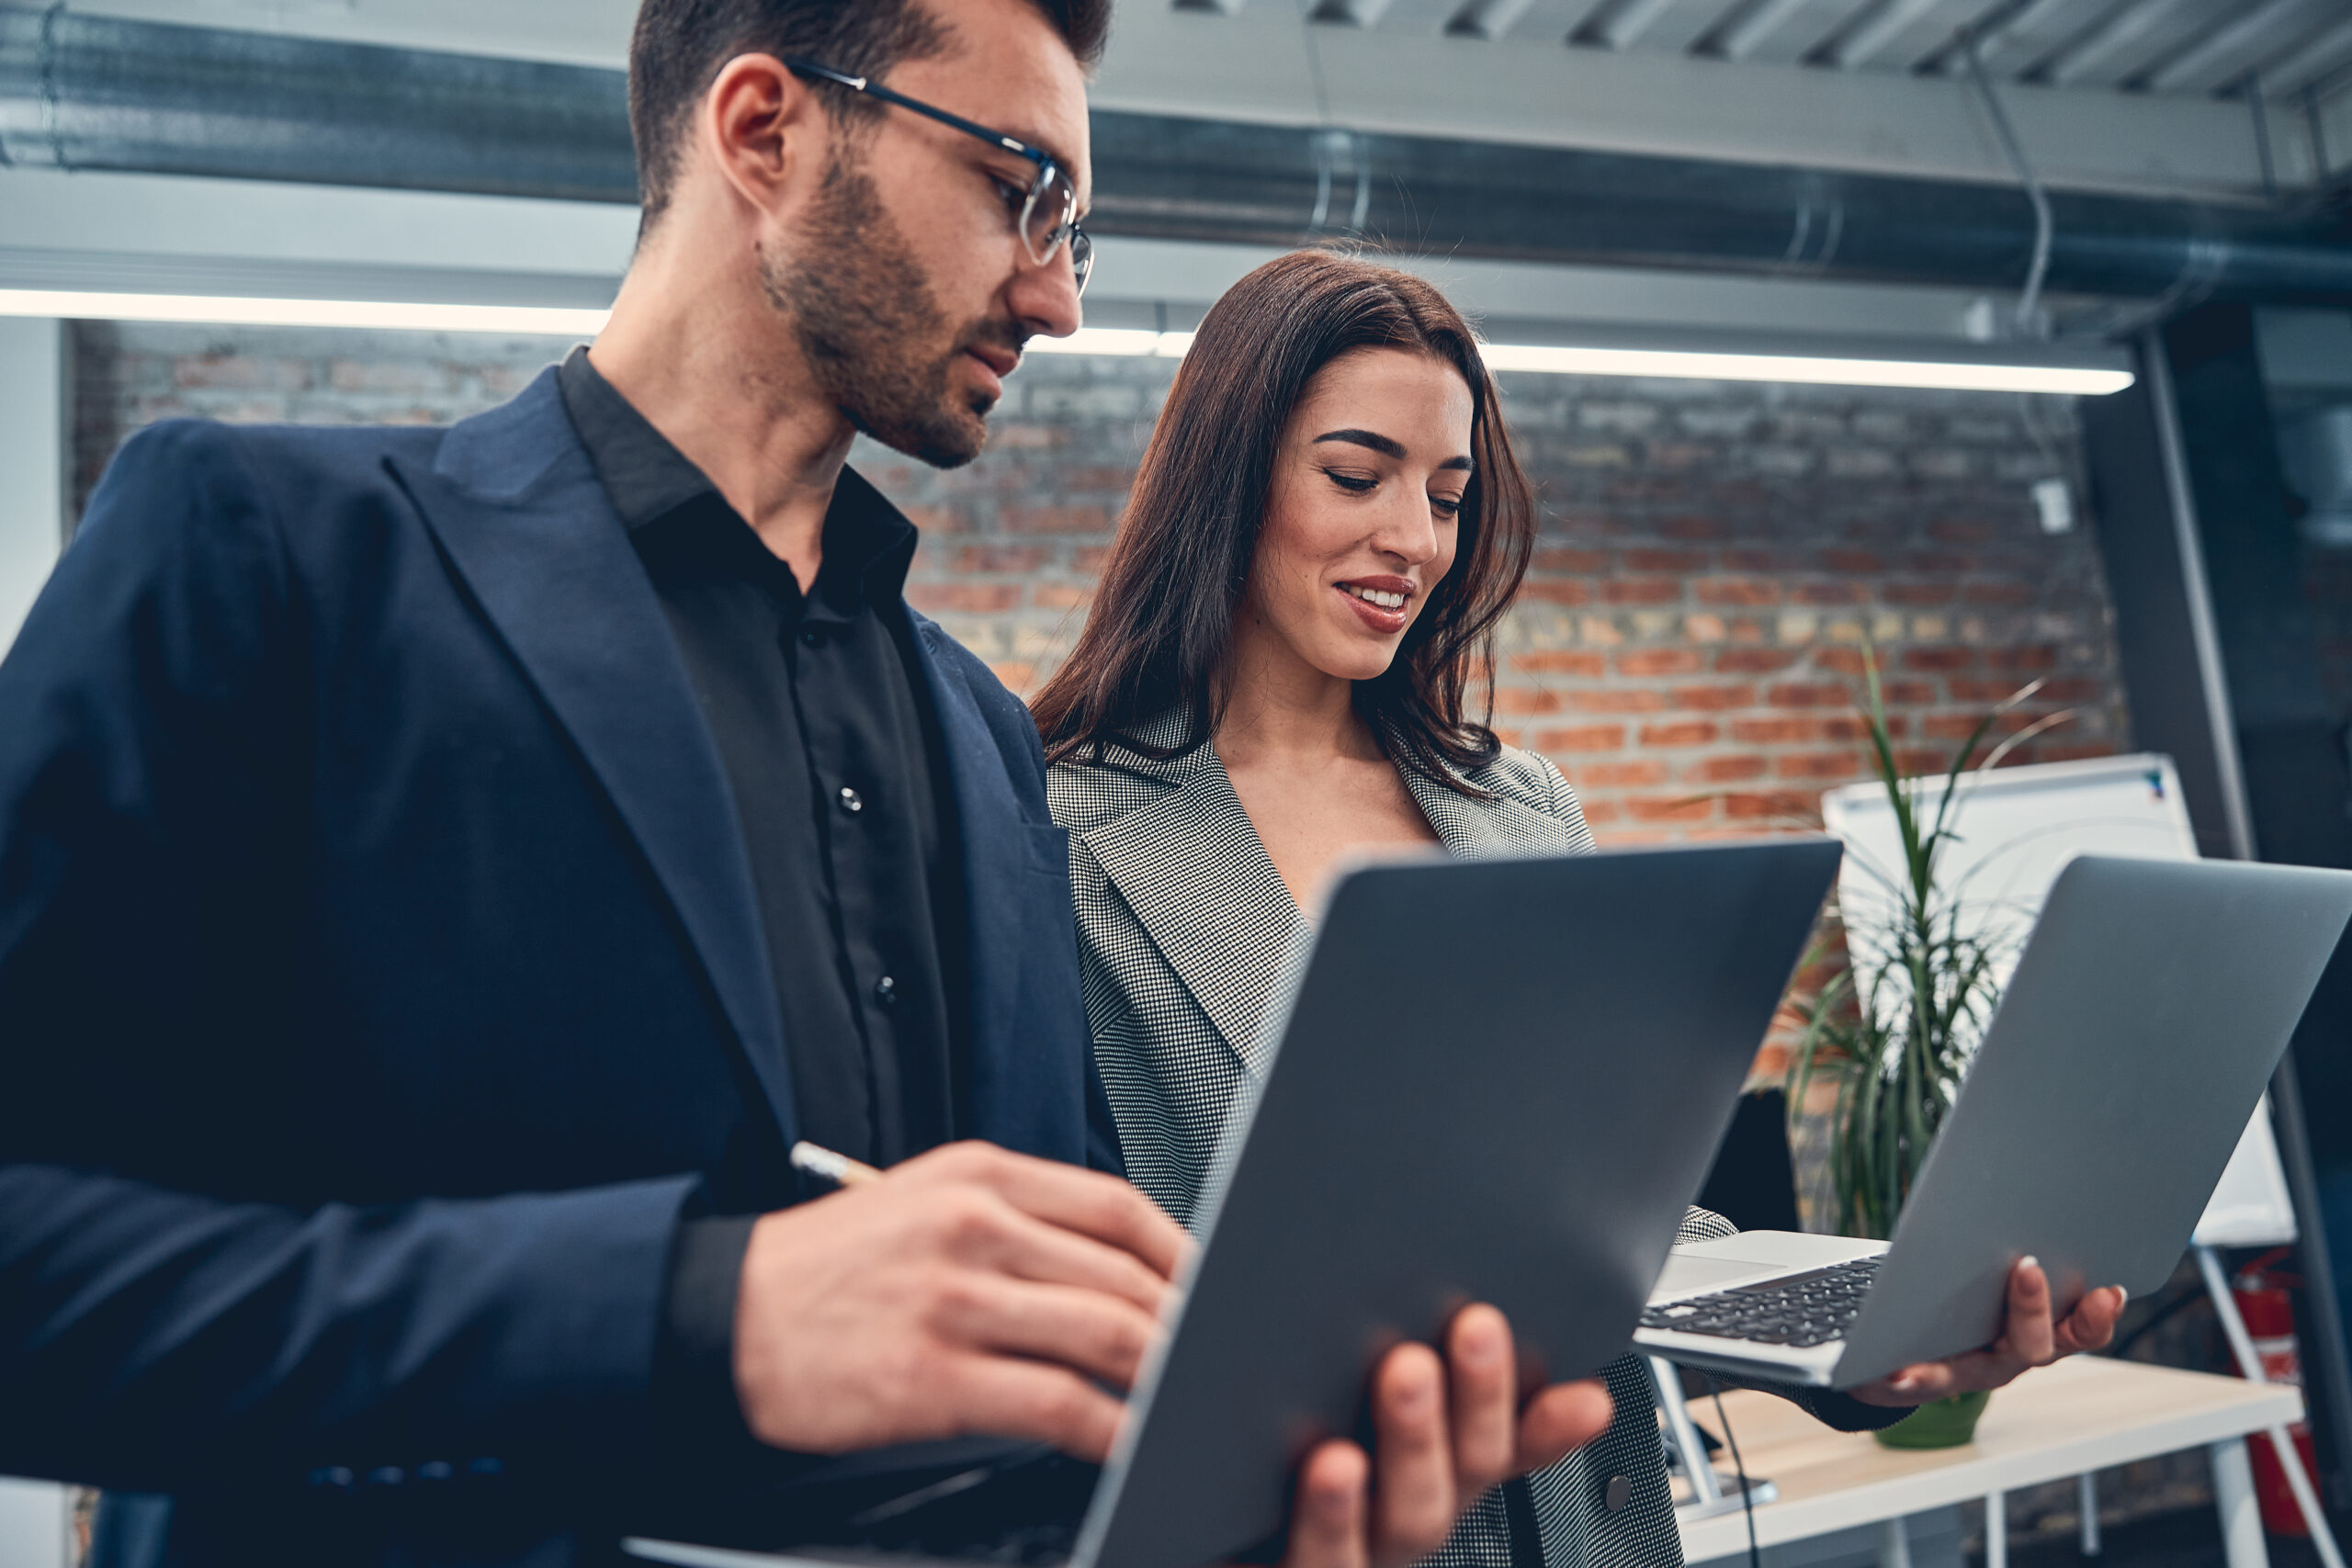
<point x="869" y="544"/>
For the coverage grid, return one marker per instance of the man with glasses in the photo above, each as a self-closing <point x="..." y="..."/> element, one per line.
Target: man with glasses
<point x="445" y="874"/>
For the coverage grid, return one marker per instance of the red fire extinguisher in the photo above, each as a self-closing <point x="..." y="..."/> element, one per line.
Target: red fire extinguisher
<point x="2265" y="1301"/>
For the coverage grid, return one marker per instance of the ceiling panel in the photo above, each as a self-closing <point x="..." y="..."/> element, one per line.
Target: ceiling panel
<point x="2323" y="59"/>
<point x="1900" y="36"/>
<point x="2224" y="57"/>
<point x="1785" y="31"/>
<point x="2137" y="39"/>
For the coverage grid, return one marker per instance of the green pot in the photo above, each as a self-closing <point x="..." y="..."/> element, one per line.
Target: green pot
<point x="1939" y="1423"/>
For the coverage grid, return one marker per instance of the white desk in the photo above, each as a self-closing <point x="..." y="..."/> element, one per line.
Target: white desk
<point x="2081" y="1415"/>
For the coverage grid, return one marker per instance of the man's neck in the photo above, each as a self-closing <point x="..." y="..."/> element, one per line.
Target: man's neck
<point x="714" y="368"/>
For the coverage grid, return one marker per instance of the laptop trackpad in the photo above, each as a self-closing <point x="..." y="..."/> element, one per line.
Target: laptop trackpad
<point x="1685" y="1275"/>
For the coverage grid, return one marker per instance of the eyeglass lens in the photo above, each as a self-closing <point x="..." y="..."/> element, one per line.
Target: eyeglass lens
<point x="1047" y="223"/>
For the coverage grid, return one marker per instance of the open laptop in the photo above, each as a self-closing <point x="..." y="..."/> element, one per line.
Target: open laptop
<point x="2146" y="1017"/>
<point x="1496" y="1080"/>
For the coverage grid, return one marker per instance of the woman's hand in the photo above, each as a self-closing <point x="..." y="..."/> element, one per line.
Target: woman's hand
<point x="1444" y="1433"/>
<point x="2028" y="1338"/>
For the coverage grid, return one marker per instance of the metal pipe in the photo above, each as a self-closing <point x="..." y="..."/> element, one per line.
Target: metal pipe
<point x="88" y="92"/>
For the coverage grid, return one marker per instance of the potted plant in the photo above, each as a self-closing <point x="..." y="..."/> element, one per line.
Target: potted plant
<point x="1897" y="1027"/>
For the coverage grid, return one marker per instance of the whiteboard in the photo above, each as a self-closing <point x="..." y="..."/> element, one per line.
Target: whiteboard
<point x="2017" y="829"/>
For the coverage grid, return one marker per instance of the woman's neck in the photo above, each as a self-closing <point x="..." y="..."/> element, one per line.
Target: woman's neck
<point x="1281" y="710"/>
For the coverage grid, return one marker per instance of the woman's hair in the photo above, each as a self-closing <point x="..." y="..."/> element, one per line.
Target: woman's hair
<point x="1163" y="616"/>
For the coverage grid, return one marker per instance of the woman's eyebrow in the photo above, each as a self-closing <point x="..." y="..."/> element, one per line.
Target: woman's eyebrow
<point x="1463" y="463"/>
<point x="1380" y="444"/>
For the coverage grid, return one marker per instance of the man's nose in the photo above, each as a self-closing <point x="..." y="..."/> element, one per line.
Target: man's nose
<point x="1045" y="299"/>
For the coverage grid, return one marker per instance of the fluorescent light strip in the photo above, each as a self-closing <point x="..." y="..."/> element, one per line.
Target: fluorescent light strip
<point x="1123" y="341"/>
<point x="229" y="310"/>
<point x="1683" y="364"/>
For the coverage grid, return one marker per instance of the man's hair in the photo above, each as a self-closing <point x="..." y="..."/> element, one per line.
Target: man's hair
<point x="679" y="46"/>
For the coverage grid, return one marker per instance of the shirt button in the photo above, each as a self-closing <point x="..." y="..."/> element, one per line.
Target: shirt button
<point x="886" y="991"/>
<point x="813" y="635"/>
<point x="1620" y="1492"/>
<point x="852" y="802"/>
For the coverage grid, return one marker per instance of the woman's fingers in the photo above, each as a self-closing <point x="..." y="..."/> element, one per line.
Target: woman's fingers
<point x="1482" y="1387"/>
<point x="1413" y="1496"/>
<point x="2092" y="1322"/>
<point x="2027" y="1333"/>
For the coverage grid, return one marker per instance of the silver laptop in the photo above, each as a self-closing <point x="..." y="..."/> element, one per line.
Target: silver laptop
<point x="2147" y="1015"/>
<point x="1496" y="1080"/>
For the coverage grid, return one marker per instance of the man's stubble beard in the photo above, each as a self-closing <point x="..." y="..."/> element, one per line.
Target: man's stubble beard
<point x="875" y="341"/>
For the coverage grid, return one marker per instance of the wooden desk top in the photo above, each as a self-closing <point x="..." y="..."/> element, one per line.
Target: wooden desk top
<point x="2086" y="1412"/>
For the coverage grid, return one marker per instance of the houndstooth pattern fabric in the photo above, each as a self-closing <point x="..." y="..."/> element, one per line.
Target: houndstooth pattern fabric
<point x="1186" y="932"/>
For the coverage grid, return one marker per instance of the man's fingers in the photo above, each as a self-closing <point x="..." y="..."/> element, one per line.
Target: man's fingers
<point x="1004" y="1237"/>
<point x="1099" y="1336"/>
<point x="1560" y="1419"/>
<point x="1012" y="1398"/>
<point x="1327" y="1525"/>
<point x="1088" y="1202"/>
<point x="1413" y="1498"/>
<point x="1482" y="1387"/>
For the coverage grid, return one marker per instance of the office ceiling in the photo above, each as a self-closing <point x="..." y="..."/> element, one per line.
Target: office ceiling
<point x="2196" y="48"/>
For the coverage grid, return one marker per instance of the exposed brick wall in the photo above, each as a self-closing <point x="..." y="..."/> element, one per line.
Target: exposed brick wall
<point x="1714" y="557"/>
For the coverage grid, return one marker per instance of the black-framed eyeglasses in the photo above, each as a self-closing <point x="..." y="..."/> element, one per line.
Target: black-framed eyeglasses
<point x="1048" y="215"/>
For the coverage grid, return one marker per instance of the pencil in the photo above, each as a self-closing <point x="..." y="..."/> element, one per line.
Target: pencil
<point x="816" y="1160"/>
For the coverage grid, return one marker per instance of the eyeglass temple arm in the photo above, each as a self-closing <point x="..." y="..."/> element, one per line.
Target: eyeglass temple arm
<point x="875" y="89"/>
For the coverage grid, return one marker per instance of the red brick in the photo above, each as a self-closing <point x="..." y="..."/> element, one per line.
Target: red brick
<point x="1754" y="661"/>
<point x="1669" y="807"/>
<point x="1000" y="558"/>
<point x="1808" y="694"/>
<point x="1998" y="594"/>
<point x="1060" y="595"/>
<point x="1618" y="776"/>
<point x="1982" y="693"/>
<point x="1640" y="700"/>
<point x="1939" y="658"/>
<point x="1819" y="765"/>
<point x="1917" y="595"/>
<point x="1726" y="770"/>
<point x="1691" y="528"/>
<point x="1842" y="661"/>
<point x="938" y="519"/>
<point x="1907" y="693"/>
<point x="1690" y="732"/>
<point x="1832" y="594"/>
<point x="1591" y="562"/>
<point x="971" y="598"/>
<point x="1582" y="738"/>
<point x="1737" y="591"/>
<point x="1054" y="519"/>
<point x="1660" y="661"/>
<point x="1015" y="674"/>
<point x="1714" y="697"/>
<point x="1524" y="700"/>
<point x="2072" y="689"/>
<point x="1958" y="531"/>
<point x="2036" y="657"/>
<point x="1560" y="661"/>
<point x="1763" y="563"/>
<point x="1861" y="563"/>
<point x="1642" y="590"/>
<point x="1089" y="559"/>
<point x="1600" y="813"/>
<point x="1665" y="561"/>
<point x="1773" y="803"/>
<point x="1552" y="590"/>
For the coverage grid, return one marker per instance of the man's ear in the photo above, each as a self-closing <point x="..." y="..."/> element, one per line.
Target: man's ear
<point x="761" y="127"/>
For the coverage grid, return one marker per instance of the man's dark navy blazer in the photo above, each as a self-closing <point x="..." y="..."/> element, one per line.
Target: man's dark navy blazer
<point x="382" y="977"/>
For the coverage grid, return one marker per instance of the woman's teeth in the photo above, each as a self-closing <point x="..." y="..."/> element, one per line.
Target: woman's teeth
<point x="1374" y="596"/>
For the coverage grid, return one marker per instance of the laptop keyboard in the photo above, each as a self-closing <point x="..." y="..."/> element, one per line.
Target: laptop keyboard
<point x="1799" y="1311"/>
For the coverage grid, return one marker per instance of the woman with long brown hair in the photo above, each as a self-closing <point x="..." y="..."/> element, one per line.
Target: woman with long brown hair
<point x="1288" y="662"/>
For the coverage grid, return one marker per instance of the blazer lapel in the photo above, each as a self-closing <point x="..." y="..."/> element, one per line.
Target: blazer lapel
<point x="516" y="506"/>
<point x="1193" y="868"/>
<point x="1477" y="829"/>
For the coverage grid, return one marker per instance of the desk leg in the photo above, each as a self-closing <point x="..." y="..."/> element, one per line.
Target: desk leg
<point x="2242" y="1542"/>
<point x="1997" y="1530"/>
<point x="2087" y="1502"/>
<point x="1894" y="1545"/>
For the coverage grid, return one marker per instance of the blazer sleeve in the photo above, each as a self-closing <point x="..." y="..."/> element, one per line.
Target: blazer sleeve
<point x="155" y="1337"/>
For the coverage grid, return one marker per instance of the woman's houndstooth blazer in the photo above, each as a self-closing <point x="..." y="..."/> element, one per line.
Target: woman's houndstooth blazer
<point x="1185" y="931"/>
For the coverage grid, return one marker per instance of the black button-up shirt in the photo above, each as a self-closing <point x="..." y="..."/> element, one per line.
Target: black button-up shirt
<point x="833" y="755"/>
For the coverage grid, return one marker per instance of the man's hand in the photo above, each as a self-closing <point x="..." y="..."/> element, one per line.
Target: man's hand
<point x="969" y="1290"/>
<point x="2028" y="1338"/>
<point x="1443" y="1433"/>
